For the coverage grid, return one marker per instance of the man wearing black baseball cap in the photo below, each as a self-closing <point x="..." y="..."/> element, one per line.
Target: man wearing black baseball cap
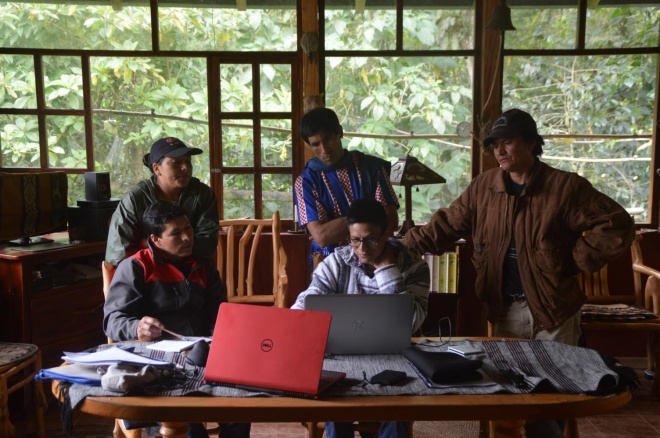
<point x="527" y="221"/>
<point x="169" y="161"/>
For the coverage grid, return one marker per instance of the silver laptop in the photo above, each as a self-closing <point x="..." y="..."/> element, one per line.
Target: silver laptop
<point x="366" y="324"/>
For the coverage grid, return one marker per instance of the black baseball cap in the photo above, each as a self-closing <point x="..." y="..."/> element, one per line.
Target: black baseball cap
<point x="170" y="147"/>
<point x="513" y="123"/>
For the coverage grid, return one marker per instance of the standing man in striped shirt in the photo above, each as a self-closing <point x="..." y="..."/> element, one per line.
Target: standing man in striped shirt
<point x="334" y="179"/>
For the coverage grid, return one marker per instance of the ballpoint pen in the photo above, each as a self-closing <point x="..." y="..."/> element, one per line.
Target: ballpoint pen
<point x="176" y="335"/>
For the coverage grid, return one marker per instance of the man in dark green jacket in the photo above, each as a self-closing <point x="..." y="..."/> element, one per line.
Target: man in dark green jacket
<point x="170" y="164"/>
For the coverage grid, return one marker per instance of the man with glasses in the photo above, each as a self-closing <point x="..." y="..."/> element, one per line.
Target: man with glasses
<point x="335" y="178"/>
<point x="371" y="263"/>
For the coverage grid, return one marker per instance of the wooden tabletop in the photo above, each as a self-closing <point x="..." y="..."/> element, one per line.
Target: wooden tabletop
<point x="509" y="411"/>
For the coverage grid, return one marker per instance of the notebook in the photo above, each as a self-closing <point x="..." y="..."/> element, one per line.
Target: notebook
<point x="270" y="349"/>
<point x="366" y="324"/>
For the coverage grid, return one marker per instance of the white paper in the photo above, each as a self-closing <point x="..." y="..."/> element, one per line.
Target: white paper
<point x="176" y="346"/>
<point x="465" y="350"/>
<point x="111" y="356"/>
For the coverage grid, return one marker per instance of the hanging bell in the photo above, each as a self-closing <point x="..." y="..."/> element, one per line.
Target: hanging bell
<point x="501" y="18"/>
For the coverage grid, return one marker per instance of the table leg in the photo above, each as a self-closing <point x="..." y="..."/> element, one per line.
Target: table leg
<point x="509" y="429"/>
<point x="173" y="430"/>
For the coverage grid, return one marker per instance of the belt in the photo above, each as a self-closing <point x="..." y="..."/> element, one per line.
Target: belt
<point x="513" y="298"/>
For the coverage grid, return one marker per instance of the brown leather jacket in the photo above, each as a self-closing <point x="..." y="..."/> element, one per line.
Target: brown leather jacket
<point x="548" y="220"/>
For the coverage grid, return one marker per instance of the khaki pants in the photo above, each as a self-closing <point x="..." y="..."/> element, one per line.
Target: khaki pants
<point x="515" y="321"/>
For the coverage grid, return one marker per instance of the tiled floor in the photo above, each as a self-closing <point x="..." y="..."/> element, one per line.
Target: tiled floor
<point x="639" y="419"/>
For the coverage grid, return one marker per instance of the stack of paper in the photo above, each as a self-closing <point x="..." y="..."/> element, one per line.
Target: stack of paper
<point x="176" y="346"/>
<point x="113" y="355"/>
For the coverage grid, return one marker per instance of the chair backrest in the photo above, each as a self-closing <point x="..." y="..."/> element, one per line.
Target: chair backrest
<point x="108" y="270"/>
<point x="237" y="260"/>
<point x="595" y="284"/>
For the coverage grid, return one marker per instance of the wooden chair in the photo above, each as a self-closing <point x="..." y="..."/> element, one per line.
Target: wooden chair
<point x="645" y="296"/>
<point x="19" y="363"/>
<point x="237" y="260"/>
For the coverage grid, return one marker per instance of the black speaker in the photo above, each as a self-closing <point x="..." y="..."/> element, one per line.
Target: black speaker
<point x="89" y="224"/>
<point x="97" y="186"/>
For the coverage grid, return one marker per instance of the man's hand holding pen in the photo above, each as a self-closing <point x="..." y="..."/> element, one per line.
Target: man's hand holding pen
<point x="149" y="329"/>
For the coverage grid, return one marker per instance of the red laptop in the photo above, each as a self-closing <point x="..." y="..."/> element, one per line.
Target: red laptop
<point x="270" y="349"/>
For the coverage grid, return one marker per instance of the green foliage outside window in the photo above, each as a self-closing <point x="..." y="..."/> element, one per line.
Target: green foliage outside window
<point x="389" y="105"/>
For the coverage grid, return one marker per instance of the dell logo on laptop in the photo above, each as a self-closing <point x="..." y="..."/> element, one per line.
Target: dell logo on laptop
<point x="266" y="345"/>
<point x="358" y="325"/>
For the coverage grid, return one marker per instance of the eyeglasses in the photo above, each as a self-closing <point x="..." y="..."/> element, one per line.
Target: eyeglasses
<point x="368" y="242"/>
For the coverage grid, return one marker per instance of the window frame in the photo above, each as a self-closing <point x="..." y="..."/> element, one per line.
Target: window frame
<point x="310" y="18"/>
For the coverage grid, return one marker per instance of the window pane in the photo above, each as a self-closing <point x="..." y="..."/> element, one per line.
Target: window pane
<point x="66" y="141"/>
<point x="271" y="28"/>
<point x="275" y="87"/>
<point x="76" y="189"/>
<point x="76" y="25"/>
<point x="276" y="143"/>
<point x="112" y="154"/>
<point x="542" y="27"/>
<point x="236" y="87"/>
<point x="435" y="26"/>
<point x="63" y="82"/>
<point x="425" y="96"/>
<point x="277" y="195"/>
<point x="237" y="143"/>
<point x="374" y="28"/>
<point x="19" y="140"/>
<point x="610" y="98"/>
<point x="17" y="88"/>
<point x="629" y="26"/>
<point x="136" y="101"/>
<point x="449" y="156"/>
<point x="238" y="196"/>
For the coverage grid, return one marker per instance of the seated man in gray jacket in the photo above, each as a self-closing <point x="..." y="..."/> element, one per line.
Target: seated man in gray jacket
<point x="371" y="263"/>
<point x="164" y="286"/>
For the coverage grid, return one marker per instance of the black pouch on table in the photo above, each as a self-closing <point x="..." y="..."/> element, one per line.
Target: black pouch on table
<point x="443" y="367"/>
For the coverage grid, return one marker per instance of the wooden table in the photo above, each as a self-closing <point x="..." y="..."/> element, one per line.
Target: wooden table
<point x="508" y="411"/>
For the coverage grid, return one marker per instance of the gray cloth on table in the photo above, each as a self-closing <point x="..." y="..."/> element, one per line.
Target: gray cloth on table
<point x="547" y="366"/>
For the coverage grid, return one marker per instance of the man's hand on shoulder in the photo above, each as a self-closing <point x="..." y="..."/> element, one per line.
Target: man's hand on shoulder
<point x="149" y="329"/>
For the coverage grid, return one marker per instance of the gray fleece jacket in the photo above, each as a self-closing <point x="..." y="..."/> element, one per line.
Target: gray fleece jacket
<point x="342" y="273"/>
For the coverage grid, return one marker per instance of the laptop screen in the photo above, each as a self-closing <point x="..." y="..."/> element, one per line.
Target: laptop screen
<point x="366" y="324"/>
<point x="268" y="347"/>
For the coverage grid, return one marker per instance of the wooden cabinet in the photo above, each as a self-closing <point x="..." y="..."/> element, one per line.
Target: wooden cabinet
<point x="56" y="318"/>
